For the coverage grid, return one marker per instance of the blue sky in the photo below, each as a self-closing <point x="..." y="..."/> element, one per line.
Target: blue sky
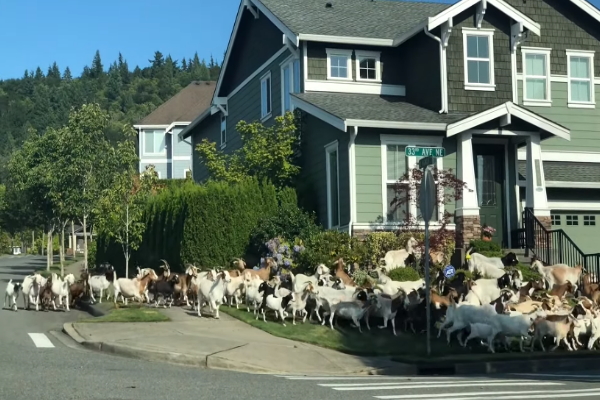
<point x="38" y="32"/>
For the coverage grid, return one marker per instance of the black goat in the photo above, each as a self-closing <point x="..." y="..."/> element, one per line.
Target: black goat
<point x="164" y="288"/>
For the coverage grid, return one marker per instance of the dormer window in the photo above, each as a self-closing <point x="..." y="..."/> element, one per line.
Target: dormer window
<point x="478" y="48"/>
<point x="339" y="64"/>
<point x="368" y="66"/>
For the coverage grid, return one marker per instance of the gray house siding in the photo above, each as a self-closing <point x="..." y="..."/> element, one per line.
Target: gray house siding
<point x="160" y="167"/>
<point x="461" y="100"/>
<point x="317" y="134"/>
<point x="180" y="149"/>
<point x="564" y="27"/>
<point x="369" y="179"/>
<point x="392" y="69"/>
<point x="256" y="41"/>
<point x="209" y="129"/>
<point x="422" y="71"/>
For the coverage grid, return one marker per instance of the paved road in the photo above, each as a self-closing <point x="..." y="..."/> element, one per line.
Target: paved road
<point x="37" y="361"/>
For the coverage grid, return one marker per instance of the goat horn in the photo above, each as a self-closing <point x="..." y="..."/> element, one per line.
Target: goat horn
<point x="166" y="263"/>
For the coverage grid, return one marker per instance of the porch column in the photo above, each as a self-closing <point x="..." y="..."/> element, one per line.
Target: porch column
<point x="535" y="194"/>
<point x="467" y="221"/>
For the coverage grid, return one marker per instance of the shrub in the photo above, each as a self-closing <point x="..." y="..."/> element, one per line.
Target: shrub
<point x="468" y="274"/>
<point x="286" y="254"/>
<point x="488" y="249"/>
<point x="528" y="273"/>
<point x="377" y="244"/>
<point x="361" y="276"/>
<point x="327" y="246"/>
<point x="404" y="274"/>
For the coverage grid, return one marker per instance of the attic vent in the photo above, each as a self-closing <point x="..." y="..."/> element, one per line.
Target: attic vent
<point x="329" y="5"/>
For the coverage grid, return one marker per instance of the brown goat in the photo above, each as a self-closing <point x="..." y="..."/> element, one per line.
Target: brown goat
<point x="560" y="291"/>
<point x="78" y="290"/>
<point x="439" y="301"/>
<point x="526" y="290"/>
<point x="263" y="273"/>
<point x="588" y="287"/>
<point x="340" y="272"/>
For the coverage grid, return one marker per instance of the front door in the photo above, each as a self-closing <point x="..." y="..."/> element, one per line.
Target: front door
<point x="489" y="182"/>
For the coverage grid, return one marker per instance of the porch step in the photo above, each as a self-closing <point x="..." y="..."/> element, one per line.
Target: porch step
<point x="520" y="253"/>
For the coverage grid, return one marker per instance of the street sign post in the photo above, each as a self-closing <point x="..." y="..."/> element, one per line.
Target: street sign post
<point x="427" y="202"/>
<point x="413" y="151"/>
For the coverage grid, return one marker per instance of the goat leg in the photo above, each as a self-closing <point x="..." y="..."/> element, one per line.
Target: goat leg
<point x="357" y="323"/>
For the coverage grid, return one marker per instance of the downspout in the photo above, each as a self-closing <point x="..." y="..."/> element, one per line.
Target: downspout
<point x="442" y="68"/>
<point x="352" y="178"/>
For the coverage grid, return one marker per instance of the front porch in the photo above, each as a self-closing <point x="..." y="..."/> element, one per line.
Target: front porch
<point x="487" y="145"/>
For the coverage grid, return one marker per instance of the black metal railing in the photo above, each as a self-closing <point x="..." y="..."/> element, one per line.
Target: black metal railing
<point x="554" y="246"/>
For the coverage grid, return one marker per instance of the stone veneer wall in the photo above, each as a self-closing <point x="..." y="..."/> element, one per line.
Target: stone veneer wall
<point x="468" y="228"/>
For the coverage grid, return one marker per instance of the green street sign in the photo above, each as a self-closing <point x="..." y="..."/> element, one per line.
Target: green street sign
<point x="413" y="151"/>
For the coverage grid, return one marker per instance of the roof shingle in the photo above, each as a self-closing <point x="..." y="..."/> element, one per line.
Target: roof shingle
<point x="566" y="171"/>
<point x="184" y="106"/>
<point x="374" y="108"/>
<point x="353" y="18"/>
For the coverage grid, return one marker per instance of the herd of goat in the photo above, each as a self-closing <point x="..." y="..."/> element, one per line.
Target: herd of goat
<point x="561" y="306"/>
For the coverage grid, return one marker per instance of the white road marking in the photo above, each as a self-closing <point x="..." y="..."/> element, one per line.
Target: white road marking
<point x="456" y="385"/>
<point x="560" y="376"/>
<point x="526" y="397"/>
<point x="524" y="394"/>
<point x="452" y="382"/>
<point x="359" y="378"/>
<point x="40" y="340"/>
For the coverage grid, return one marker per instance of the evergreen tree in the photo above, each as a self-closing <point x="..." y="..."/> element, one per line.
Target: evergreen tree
<point x="97" y="69"/>
<point x="67" y="77"/>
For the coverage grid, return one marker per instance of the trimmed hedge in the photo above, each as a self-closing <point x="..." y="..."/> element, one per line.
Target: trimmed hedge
<point x="207" y="225"/>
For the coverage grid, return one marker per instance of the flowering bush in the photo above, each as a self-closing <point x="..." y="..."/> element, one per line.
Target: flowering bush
<point x="488" y="231"/>
<point x="283" y="252"/>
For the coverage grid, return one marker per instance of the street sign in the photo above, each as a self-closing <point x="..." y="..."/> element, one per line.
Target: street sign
<point x="413" y="151"/>
<point x="449" y="271"/>
<point x="428" y="195"/>
<point x="424" y="162"/>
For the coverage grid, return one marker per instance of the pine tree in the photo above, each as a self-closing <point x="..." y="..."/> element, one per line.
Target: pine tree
<point x="97" y="69"/>
<point x="67" y="75"/>
<point x="39" y="75"/>
<point x="123" y="70"/>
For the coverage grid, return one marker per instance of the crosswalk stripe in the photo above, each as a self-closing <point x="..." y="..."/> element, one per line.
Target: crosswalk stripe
<point x="526" y="397"/>
<point x="456" y="396"/>
<point x="355" y="378"/>
<point x="440" y="382"/>
<point x="40" y="340"/>
<point x="412" y="386"/>
<point x="560" y="376"/>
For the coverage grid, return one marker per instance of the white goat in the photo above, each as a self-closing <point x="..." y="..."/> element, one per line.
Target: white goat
<point x="31" y="290"/>
<point x="510" y="326"/>
<point x="11" y="293"/>
<point x="462" y="315"/>
<point x="61" y="289"/>
<point x="389" y="306"/>
<point x="277" y="304"/>
<point x="391" y="287"/>
<point x="354" y="310"/>
<point x="396" y="258"/>
<point x="299" y="281"/>
<point x="211" y="290"/>
<point x="558" y="330"/>
<point x="233" y="290"/>
<point x="479" y="330"/>
<point x="98" y="283"/>
<point x="483" y="291"/>
<point x="253" y="296"/>
<point x="130" y="288"/>
<point x="595" y="333"/>
<point x="558" y="274"/>
<point x="298" y="303"/>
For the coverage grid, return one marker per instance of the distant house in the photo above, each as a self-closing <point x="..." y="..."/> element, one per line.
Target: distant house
<point x="172" y="158"/>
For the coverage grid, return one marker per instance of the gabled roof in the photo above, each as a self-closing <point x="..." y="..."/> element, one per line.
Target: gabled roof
<point x="557" y="172"/>
<point x="184" y="106"/>
<point x="368" y="110"/>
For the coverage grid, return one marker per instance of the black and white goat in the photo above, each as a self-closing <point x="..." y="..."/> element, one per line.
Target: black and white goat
<point x="492" y="267"/>
<point x="11" y="293"/>
<point x="277" y="304"/>
<point x="164" y="288"/>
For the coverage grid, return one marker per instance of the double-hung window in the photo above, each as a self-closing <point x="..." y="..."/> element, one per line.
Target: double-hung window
<point x="333" y="184"/>
<point x="339" y="64"/>
<point x="154" y="142"/>
<point x="478" y="47"/>
<point x="265" y="97"/>
<point x="400" y="192"/>
<point x="368" y="66"/>
<point x="580" y="70"/>
<point x="290" y="83"/>
<point x="536" y="76"/>
<point x="223" y="130"/>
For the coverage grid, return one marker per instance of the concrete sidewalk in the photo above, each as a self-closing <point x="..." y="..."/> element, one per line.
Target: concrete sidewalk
<point x="226" y="343"/>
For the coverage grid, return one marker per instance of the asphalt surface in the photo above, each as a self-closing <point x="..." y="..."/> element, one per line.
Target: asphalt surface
<point x="48" y="364"/>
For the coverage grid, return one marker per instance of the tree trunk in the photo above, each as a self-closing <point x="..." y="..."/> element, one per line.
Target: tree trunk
<point x="127" y="243"/>
<point x="73" y="240"/>
<point x="49" y="249"/>
<point x="85" y="248"/>
<point x="32" y="240"/>
<point x="62" y="249"/>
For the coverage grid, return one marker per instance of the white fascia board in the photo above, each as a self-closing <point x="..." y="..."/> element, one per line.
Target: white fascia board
<point x="150" y="126"/>
<point x="177" y="123"/>
<point x="573" y="205"/>
<point x="261" y="7"/>
<point x="295" y="39"/>
<point x="588" y="8"/>
<point x="418" y="126"/>
<point x="538" y="121"/>
<point x="572" y="185"/>
<point x="564" y="156"/>
<point x="347" y="40"/>
<point x="502" y="6"/>
<point x="477" y="119"/>
<point x="319" y="113"/>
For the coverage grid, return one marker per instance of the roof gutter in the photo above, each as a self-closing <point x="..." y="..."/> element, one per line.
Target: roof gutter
<point x="352" y="165"/>
<point x="446" y="29"/>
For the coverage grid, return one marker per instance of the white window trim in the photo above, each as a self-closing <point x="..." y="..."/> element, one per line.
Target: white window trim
<point x="223" y="142"/>
<point x="489" y="87"/>
<point x="288" y="63"/>
<point x="369" y="54"/>
<point x="343" y="53"/>
<point x="270" y="113"/>
<point x="581" y="104"/>
<point x="412" y="163"/>
<point x="546" y="53"/>
<point x="185" y="171"/>
<point x="329" y="148"/>
<point x="162" y="153"/>
<point x="158" y="174"/>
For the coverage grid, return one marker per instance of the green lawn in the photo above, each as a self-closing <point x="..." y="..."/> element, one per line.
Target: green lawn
<point x="56" y="267"/>
<point x="129" y="313"/>
<point x="376" y="342"/>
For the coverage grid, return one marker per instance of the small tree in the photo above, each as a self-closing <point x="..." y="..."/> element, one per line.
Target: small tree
<point x="121" y="208"/>
<point x="450" y="190"/>
<point x="267" y="153"/>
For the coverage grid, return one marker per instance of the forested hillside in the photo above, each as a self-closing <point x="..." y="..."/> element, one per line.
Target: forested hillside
<point x="40" y="100"/>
